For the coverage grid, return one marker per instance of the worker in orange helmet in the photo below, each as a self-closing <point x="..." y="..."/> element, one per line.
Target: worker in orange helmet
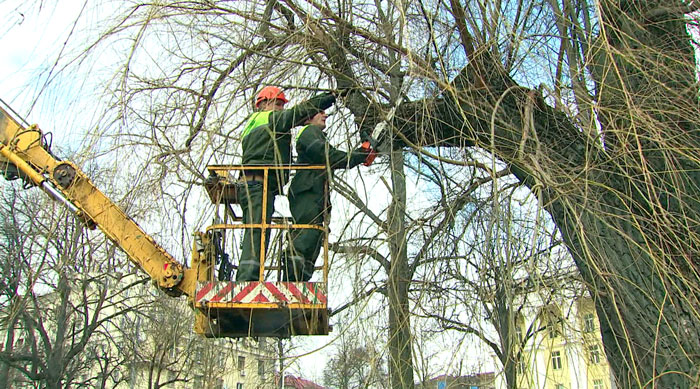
<point x="267" y="140"/>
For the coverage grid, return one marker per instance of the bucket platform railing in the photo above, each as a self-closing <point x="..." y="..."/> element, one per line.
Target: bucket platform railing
<point x="270" y="307"/>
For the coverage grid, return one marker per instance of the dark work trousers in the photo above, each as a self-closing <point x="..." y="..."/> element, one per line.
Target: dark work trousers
<point x="250" y="196"/>
<point x="307" y="208"/>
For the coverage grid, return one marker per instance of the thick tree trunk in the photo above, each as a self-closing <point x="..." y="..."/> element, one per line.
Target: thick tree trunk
<point x="629" y="212"/>
<point x="627" y="199"/>
<point x="505" y="322"/>
<point x="637" y="243"/>
<point x="645" y="307"/>
<point x="400" y="352"/>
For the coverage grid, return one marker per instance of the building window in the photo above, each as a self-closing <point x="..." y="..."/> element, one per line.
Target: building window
<point x="556" y="360"/>
<point x="221" y="360"/>
<point x="241" y="366"/>
<point x="588" y="322"/>
<point x="261" y="368"/>
<point x="594" y="352"/>
<point x="560" y="386"/>
<point x="140" y="335"/>
<point x="198" y="353"/>
<point x="598" y="384"/>
<point x="239" y="386"/>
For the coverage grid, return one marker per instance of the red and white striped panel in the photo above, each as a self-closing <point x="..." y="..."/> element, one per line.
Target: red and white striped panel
<point x="261" y="292"/>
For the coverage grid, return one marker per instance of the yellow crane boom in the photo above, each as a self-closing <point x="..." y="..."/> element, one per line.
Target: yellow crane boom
<point x="23" y="152"/>
<point x="222" y="308"/>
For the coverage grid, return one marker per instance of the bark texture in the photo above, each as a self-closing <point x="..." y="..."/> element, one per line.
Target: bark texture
<point x="627" y="201"/>
<point x="398" y="282"/>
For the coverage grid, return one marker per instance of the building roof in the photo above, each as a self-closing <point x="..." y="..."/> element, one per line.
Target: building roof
<point x="291" y="381"/>
<point x="488" y="375"/>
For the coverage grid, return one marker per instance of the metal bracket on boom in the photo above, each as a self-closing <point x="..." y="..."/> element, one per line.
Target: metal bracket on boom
<point x="64" y="174"/>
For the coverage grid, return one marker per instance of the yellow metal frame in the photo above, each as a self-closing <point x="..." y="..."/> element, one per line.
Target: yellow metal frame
<point x="244" y="319"/>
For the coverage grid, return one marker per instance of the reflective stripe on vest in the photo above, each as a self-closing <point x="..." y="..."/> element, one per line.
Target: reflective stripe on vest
<point x="300" y="131"/>
<point x="256" y="120"/>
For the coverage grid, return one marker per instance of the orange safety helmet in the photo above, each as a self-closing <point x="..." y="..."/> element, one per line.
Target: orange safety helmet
<point x="270" y="93"/>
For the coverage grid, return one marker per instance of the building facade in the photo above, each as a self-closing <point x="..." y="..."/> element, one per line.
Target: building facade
<point x="561" y="347"/>
<point x="474" y="381"/>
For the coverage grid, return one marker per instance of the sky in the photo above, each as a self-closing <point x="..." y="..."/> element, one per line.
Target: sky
<point x="28" y="41"/>
<point x="32" y="39"/>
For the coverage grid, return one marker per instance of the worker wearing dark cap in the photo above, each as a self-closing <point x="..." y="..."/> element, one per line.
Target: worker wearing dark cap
<point x="308" y="198"/>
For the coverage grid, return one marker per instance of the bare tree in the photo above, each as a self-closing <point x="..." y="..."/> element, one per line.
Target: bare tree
<point x="591" y="105"/>
<point x="160" y="349"/>
<point x="58" y="308"/>
<point x="619" y="188"/>
<point x="487" y="264"/>
<point x="355" y="363"/>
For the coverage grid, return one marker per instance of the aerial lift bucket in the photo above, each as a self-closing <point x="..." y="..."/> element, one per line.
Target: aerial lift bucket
<point x="266" y="308"/>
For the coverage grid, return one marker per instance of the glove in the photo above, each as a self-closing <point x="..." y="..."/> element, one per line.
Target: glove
<point x="358" y="156"/>
<point x="371" y="154"/>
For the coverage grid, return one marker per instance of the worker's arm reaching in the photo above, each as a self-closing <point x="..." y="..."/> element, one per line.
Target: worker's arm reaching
<point x="285" y="120"/>
<point x="268" y="135"/>
<point x="313" y="148"/>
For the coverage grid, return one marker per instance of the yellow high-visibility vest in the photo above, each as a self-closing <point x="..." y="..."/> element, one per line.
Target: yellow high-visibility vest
<point x="300" y="131"/>
<point x="257" y="119"/>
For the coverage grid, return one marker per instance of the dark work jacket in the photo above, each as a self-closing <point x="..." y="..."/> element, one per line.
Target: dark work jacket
<point x="313" y="148"/>
<point x="270" y="143"/>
